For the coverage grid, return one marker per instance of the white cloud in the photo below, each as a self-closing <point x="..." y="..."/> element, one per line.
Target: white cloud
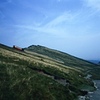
<point x="59" y="19"/>
<point x="60" y="23"/>
<point x="2" y="15"/>
<point x="53" y="27"/>
<point x="59" y="0"/>
<point x="95" y="4"/>
<point x="65" y="24"/>
<point x="61" y="26"/>
<point x="9" y="1"/>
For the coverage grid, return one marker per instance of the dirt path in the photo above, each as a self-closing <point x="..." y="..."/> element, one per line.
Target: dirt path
<point x="96" y="94"/>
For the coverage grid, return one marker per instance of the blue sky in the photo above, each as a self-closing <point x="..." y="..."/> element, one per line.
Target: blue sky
<point x="72" y="26"/>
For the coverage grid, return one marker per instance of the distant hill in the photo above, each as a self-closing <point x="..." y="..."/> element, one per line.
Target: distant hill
<point x="67" y="59"/>
<point x="40" y="73"/>
<point x="94" y="61"/>
<point x="63" y="58"/>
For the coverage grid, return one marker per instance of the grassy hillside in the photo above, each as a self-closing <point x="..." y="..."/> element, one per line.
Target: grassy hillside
<point x="68" y="60"/>
<point x="33" y="76"/>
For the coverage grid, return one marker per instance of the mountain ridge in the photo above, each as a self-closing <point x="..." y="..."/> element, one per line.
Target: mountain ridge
<point x="44" y="48"/>
<point x="94" y="61"/>
<point x="49" y="52"/>
<point x="67" y="59"/>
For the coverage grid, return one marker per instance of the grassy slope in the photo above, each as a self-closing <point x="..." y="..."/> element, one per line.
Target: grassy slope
<point x="68" y="60"/>
<point x="20" y="79"/>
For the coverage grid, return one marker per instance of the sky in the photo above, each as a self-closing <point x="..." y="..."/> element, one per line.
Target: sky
<point x="71" y="26"/>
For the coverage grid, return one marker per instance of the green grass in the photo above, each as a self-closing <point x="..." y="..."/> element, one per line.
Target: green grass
<point x="20" y="78"/>
<point x="21" y="83"/>
<point x="68" y="60"/>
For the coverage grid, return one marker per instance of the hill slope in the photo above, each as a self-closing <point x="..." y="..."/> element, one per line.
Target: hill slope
<point x="33" y="76"/>
<point x="68" y="60"/>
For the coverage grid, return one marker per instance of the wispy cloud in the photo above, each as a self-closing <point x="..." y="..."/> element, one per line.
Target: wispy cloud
<point x="66" y="16"/>
<point x="1" y="14"/>
<point x="95" y="4"/>
<point x="9" y="1"/>
<point x="64" y="24"/>
<point x="58" y="0"/>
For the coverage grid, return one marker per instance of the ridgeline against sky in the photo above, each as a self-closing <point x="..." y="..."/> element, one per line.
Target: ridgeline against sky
<point x="72" y="26"/>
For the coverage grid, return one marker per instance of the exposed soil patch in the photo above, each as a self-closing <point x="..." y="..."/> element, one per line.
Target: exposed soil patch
<point x="60" y="80"/>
